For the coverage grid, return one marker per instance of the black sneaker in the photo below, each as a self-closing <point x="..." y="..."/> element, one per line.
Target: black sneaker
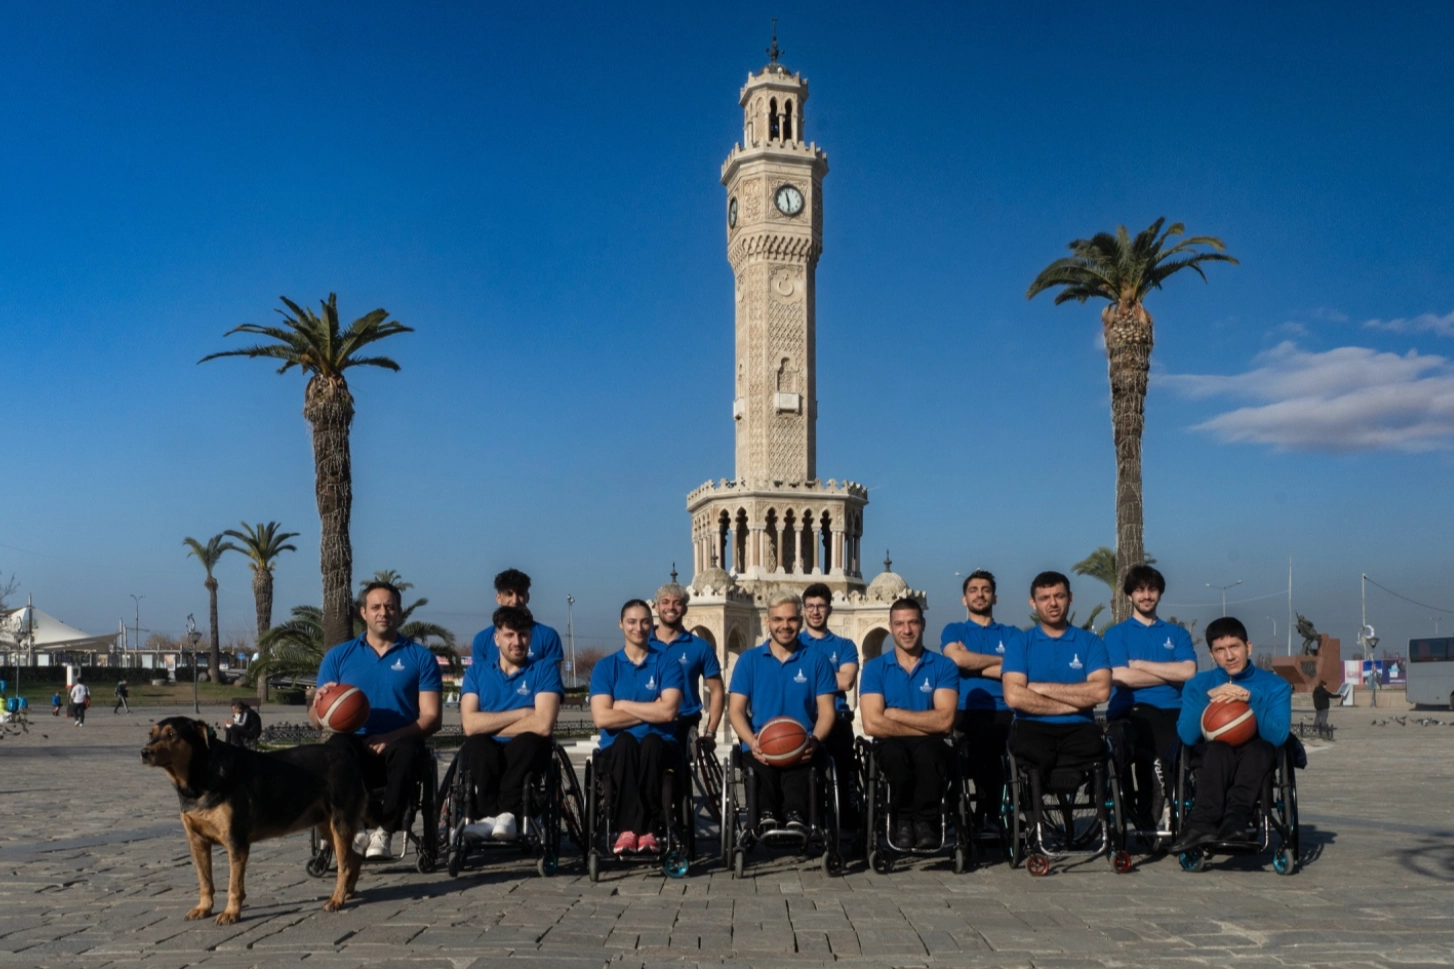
<point x="1233" y="828"/>
<point x="1192" y="838"/>
<point x="796" y="823"/>
<point x="904" y="835"/>
<point x="765" y="823"/>
<point x="926" y="838"/>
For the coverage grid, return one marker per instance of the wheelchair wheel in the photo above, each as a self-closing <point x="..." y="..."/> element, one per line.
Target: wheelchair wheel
<point x="709" y="777"/>
<point x="1013" y="823"/>
<point x="739" y="863"/>
<point x="320" y="858"/>
<point x="1037" y="865"/>
<point x="1283" y="861"/>
<point x="961" y="859"/>
<point x="593" y="866"/>
<point x="832" y="862"/>
<point x="1193" y="860"/>
<point x="674" y="864"/>
<point x="1294" y="840"/>
<point x="572" y="802"/>
<point x="880" y="861"/>
<point x="726" y="811"/>
<point x="546" y="865"/>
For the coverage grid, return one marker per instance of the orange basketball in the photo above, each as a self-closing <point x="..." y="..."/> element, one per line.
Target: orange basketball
<point x="782" y="740"/>
<point x="1231" y="722"/>
<point x="341" y="708"/>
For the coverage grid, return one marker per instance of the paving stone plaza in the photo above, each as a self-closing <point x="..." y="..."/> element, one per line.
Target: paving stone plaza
<point x="94" y="872"/>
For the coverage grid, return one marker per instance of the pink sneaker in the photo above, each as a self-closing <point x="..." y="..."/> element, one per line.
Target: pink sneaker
<point x="646" y="844"/>
<point x="625" y="841"/>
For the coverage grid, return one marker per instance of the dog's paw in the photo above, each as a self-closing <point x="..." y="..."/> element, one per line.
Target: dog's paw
<point x="228" y="917"/>
<point x="333" y="905"/>
<point x="200" y="912"/>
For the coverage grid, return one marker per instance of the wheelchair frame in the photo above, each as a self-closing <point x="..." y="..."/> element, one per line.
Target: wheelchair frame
<point x="1277" y="814"/>
<point x="678" y="848"/>
<point x="955" y="830"/>
<point x="421" y="807"/>
<point x="546" y="808"/>
<point x="1165" y="775"/>
<point x="739" y="807"/>
<point x="1028" y="840"/>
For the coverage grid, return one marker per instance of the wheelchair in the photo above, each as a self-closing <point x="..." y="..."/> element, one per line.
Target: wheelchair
<point x="1080" y="816"/>
<point x="1162" y="828"/>
<point x="1274" y="827"/>
<point x="552" y="801"/>
<point x="678" y="840"/>
<point x="420" y="808"/>
<point x="739" y="813"/>
<point x="955" y="829"/>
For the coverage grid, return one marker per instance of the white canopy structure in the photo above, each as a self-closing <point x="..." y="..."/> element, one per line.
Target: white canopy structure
<point x="27" y="628"/>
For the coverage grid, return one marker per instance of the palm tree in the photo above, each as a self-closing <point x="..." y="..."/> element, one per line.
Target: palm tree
<point x="208" y="555"/>
<point x="262" y="544"/>
<point x="293" y="648"/>
<point x="1122" y="271"/>
<point x="316" y="346"/>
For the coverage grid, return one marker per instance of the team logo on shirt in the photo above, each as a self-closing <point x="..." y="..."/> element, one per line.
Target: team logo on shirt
<point x="651" y="683"/>
<point x="800" y="678"/>
<point x="925" y="687"/>
<point x="1000" y="648"/>
<point x="833" y="657"/>
<point x="683" y="659"/>
<point x="1168" y="644"/>
<point x="398" y="665"/>
<point x="524" y="690"/>
<point x="1075" y="662"/>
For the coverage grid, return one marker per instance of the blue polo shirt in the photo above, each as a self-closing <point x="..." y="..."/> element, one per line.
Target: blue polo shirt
<point x="976" y="691"/>
<point x="544" y="644"/>
<point x="1271" y="702"/>
<point x="499" y="692"/>
<point x="698" y="661"/>
<point x="909" y="689"/>
<point x="392" y="682"/>
<point x="620" y="679"/>
<point x="1044" y="659"/>
<point x="782" y="688"/>
<point x="1160" y="642"/>
<point x="840" y="652"/>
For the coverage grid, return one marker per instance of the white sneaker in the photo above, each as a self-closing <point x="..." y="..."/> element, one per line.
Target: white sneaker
<point x="361" y="842"/>
<point x="504" y="828"/>
<point x="381" y="844"/>
<point x="480" y="830"/>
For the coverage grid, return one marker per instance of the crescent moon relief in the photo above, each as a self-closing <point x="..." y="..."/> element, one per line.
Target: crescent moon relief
<point x="784" y="284"/>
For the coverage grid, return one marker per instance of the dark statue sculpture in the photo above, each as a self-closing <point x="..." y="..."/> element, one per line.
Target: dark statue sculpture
<point x="1311" y="638"/>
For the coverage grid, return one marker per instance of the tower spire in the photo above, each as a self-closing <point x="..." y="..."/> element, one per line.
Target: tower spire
<point x="774" y="52"/>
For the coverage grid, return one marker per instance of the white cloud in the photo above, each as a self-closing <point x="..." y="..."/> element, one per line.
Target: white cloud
<point x="1423" y="323"/>
<point x="1346" y="399"/>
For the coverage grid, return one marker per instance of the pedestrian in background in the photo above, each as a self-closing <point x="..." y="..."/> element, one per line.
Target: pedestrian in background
<point x="121" y="694"/>
<point x="1322" y="699"/>
<point x="80" y="699"/>
<point x="55" y="703"/>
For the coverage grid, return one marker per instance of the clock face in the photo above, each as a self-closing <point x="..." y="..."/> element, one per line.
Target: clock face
<point x="732" y="212"/>
<point x="788" y="199"/>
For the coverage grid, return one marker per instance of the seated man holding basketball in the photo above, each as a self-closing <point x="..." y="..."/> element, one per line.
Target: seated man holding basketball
<point x="635" y="695"/>
<point x="786" y="679"/>
<point x="507" y="707"/>
<point x="402" y="682"/>
<point x="908" y="699"/>
<point x="1231" y="775"/>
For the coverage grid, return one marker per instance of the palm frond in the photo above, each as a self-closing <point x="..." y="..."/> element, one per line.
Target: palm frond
<point x="262" y="543"/>
<point x="1119" y="268"/>
<point x="210" y="552"/>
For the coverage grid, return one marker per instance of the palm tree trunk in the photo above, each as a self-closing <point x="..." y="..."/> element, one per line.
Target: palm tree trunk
<point x="214" y="645"/>
<point x="1128" y="333"/>
<point x="329" y="409"/>
<point x="262" y="594"/>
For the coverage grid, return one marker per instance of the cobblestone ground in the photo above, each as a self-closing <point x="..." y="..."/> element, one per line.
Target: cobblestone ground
<point x="94" y="872"/>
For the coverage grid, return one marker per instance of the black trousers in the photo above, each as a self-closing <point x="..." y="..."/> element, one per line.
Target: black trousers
<point x="1229" y="781"/>
<point x="394" y="771"/>
<point x="782" y="791"/>
<point x="685" y="726"/>
<point x="985" y="735"/>
<point x="497" y="770"/>
<point x="916" y="768"/>
<point x="635" y="771"/>
<point x="1142" y="736"/>
<point x="1046" y="746"/>
<point x="840" y="747"/>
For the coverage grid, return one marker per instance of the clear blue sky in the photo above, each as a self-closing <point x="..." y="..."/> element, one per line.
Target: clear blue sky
<point x="535" y="189"/>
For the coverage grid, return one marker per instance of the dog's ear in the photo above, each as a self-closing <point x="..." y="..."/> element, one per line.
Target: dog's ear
<point x="205" y="729"/>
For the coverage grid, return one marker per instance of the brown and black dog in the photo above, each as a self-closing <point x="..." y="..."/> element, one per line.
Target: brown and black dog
<point x="233" y="796"/>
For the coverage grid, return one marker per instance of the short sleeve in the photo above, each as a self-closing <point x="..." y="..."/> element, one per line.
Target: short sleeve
<point x="328" y="669"/>
<point x="601" y="678"/>
<point x="1184" y="648"/>
<point x="824" y="678"/>
<point x="1017" y="659"/>
<point x="742" y="676"/>
<point x="1095" y="652"/>
<point x="848" y="654"/>
<point x="430" y="679"/>
<point x="550" y="647"/>
<point x="484" y="639"/>
<point x="672" y="677"/>
<point x="951" y="634"/>
<point x="549" y="679"/>
<point x="946" y="675"/>
<point x="471" y="682"/>
<point x="872" y="680"/>
<point x="710" y="666"/>
<point x="1116" y="653"/>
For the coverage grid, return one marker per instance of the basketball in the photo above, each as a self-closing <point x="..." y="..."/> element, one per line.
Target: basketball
<point x="782" y="740"/>
<point x="341" y="708"/>
<point x="1231" y="722"/>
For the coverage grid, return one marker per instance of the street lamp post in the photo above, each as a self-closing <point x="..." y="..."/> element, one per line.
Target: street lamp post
<point x="1274" y="631"/>
<point x="137" y="599"/>
<point x="570" y="635"/>
<point x="1224" y="589"/>
<point x="192" y="637"/>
